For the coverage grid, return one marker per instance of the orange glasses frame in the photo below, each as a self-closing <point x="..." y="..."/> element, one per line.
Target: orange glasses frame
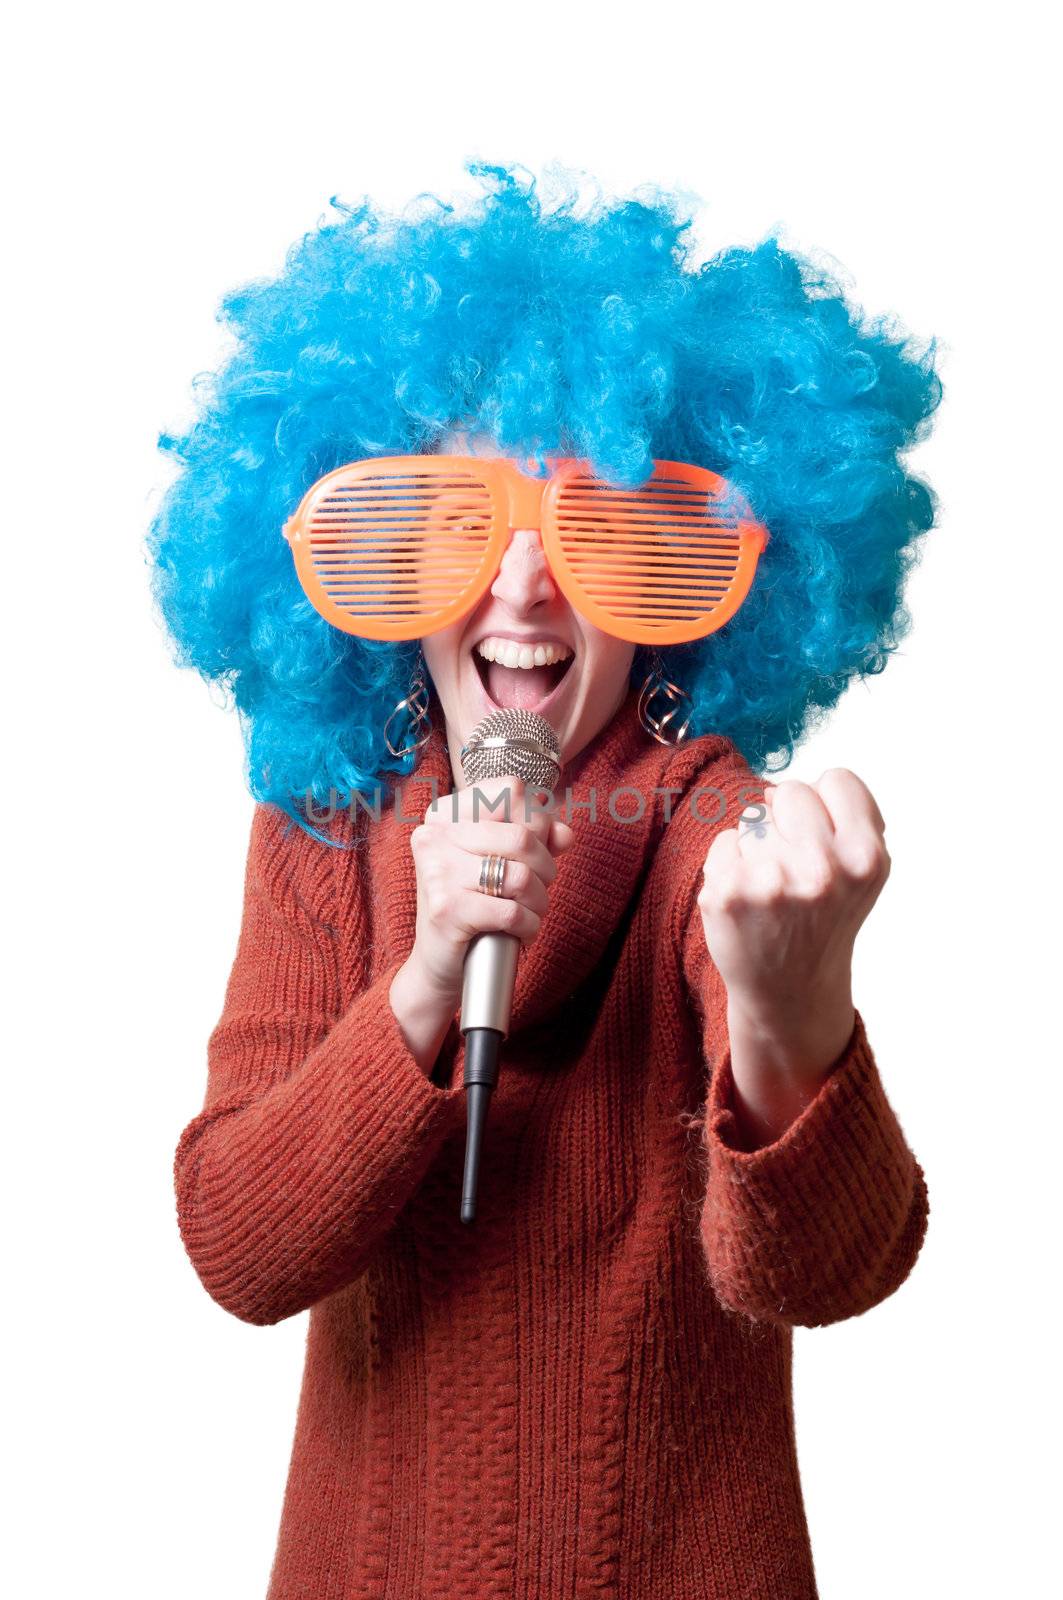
<point x="723" y="555"/>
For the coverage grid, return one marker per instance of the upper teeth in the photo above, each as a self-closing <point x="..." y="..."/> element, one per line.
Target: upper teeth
<point x="510" y="654"/>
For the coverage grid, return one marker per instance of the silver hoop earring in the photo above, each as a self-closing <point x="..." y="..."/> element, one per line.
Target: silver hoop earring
<point x="419" y="723"/>
<point x="660" y="703"/>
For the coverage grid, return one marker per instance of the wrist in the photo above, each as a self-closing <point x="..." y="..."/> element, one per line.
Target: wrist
<point x="779" y="1061"/>
<point x="423" y="1010"/>
<point x="433" y="988"/>
<point x="800" y="1044"/>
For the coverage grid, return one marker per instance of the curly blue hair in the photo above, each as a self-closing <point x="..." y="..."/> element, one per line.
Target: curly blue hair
<point x="570" y="328"/>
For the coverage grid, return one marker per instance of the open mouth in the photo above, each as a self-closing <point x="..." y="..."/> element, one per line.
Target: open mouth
<point x="528" y="686"/>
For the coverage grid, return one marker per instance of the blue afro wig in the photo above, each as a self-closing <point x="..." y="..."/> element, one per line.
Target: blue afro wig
<point x="572" y="328"/>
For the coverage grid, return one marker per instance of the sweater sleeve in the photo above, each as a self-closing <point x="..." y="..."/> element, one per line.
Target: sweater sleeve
<point x="317" y="1124"/>
<point x="827" y="1220"/>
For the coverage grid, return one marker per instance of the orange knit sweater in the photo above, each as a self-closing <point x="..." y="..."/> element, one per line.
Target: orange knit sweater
<point x="587" y="1392"/>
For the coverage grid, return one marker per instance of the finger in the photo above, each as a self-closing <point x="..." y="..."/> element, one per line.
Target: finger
<point x="755" y="818"/>
<point x="859" y="843"/>
<point x="488" y="796"/>
<point x="800" y="815"/>
<point x="758" y="835"/>
<point x="511" y="840"/>
<point x="514" y="840"/>
<point x="801" y="858"/>
<point x="723" y="852"/>
<point x="720" y="863"/>
<point x="481" y="913"/>
<point x="493" y="800"/>
<point x="849" y="800"/>
<point x="519" y="882"/>
<point x="735" y="874"/>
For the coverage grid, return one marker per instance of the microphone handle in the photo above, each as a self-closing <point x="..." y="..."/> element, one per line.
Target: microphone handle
<point x="488" y="978"/>
<point x="487" y="981"/>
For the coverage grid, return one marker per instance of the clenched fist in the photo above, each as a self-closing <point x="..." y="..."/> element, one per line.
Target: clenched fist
<point x="783" y="898"/>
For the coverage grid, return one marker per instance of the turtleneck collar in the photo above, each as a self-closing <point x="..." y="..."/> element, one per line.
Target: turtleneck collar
<point x="618" y="822"/>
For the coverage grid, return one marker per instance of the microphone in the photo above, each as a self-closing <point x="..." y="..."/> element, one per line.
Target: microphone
<point x="510" y="743"/>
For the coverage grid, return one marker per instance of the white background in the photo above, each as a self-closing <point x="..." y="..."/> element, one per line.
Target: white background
<point x="160" y="157"/>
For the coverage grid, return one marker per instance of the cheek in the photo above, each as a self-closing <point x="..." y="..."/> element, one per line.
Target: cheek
<point x="608" y="661"/>
<point x="441" y="655"/>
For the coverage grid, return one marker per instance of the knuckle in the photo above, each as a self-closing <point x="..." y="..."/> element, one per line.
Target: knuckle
<point x="510" y="914"/>
<point x="818" y="878"/>
<point x="519" y="876"/>
<point x="769" y="886"/>
<point x="434" y="872"/>
<point x="867" y="862"/>
<point x="727" y="894"/>
<point x="539" y="822"/>
<point x="437" y="903"/>
<point x="523" y="837"/>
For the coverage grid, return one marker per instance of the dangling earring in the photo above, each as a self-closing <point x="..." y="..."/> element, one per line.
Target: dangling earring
<point x="658" y="722"/>
<point x="415" y="705"/>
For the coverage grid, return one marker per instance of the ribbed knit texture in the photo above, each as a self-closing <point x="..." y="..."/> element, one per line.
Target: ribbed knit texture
<point x="587" y="1392"/>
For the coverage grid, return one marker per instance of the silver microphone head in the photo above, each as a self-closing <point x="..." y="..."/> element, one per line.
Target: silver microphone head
<point x="511" y="743"/>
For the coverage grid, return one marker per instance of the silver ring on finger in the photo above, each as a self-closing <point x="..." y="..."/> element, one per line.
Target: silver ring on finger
<point x="492" y="875"/>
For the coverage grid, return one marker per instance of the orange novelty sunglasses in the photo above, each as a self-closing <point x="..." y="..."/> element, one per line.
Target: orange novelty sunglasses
<point x="397" y="547"/>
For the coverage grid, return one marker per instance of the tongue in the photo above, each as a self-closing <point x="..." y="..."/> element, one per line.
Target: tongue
<point x="523" y="687"/>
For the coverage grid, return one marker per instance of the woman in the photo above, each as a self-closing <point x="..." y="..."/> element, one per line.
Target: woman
<point x="689" y="1151"/>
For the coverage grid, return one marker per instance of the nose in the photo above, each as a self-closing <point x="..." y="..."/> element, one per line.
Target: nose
<point x="523" y="581"/>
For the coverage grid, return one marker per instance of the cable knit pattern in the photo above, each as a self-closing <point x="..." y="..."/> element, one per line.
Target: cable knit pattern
<point x="586" y="1393"/>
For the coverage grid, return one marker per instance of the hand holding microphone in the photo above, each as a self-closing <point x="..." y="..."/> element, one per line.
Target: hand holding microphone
<point x="449" y="854"/>
<point x="518" y="744"/>
<point x="482" y="884"/>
